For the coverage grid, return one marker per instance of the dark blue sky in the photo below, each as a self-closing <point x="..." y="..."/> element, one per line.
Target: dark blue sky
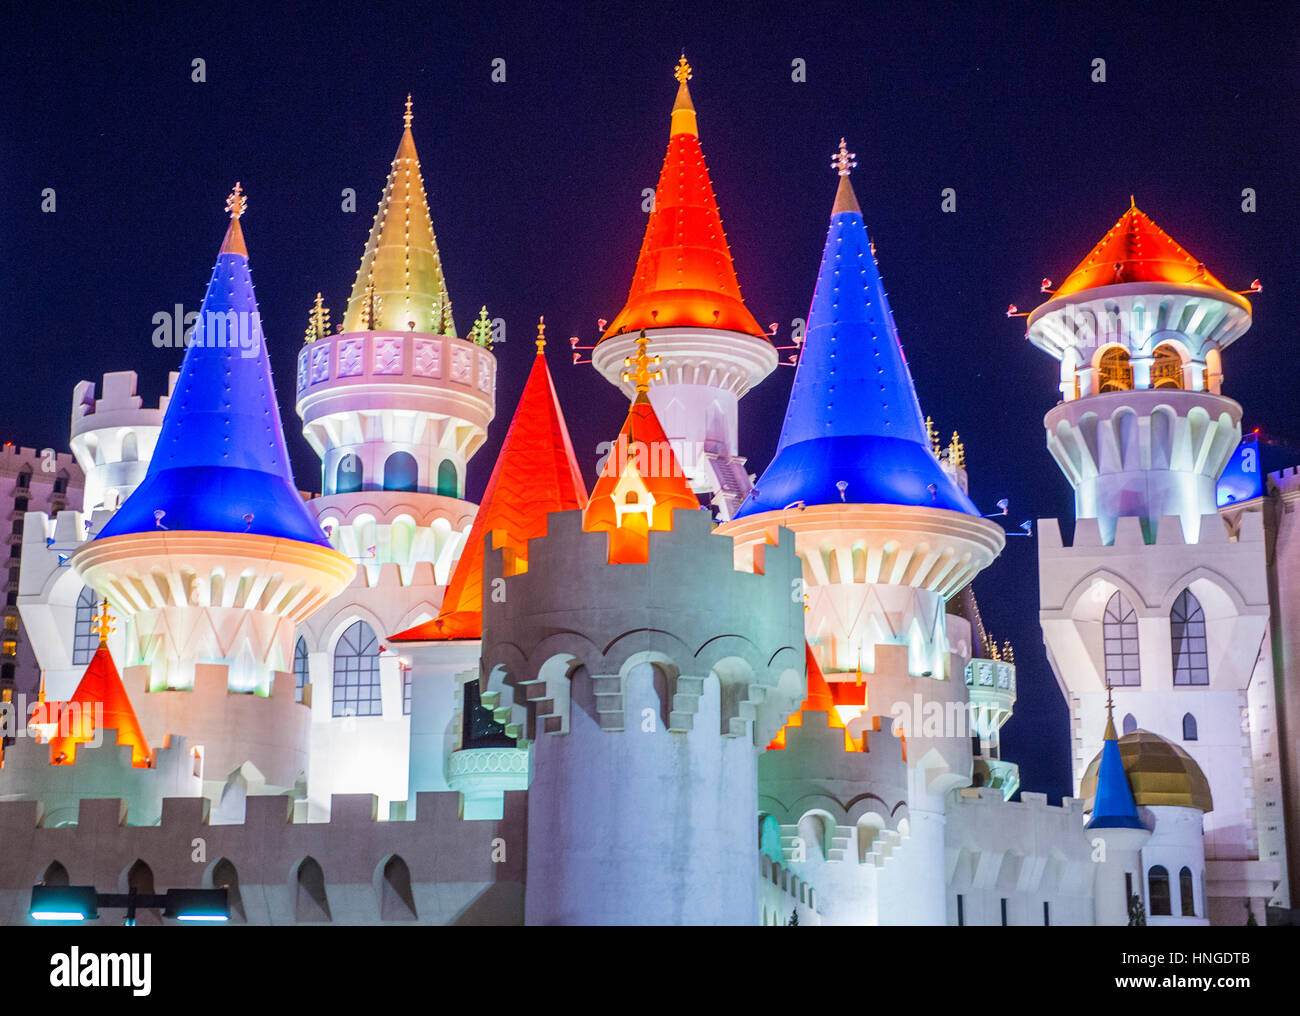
<point x="535" y="186"/>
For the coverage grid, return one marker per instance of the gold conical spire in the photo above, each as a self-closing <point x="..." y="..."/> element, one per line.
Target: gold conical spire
<point x="843" y="163"/>
<point x="683" y="120"/>
<point x="401" y="260"/>
<point x="236" y="204"/>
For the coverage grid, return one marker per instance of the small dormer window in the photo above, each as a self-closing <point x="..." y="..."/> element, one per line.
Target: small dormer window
<point x="631" y="497"/>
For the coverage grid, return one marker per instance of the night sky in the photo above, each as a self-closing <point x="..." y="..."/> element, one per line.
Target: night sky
<point x="536" y="188"/>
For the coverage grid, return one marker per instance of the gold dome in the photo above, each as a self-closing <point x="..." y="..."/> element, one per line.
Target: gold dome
<point x="1159" y="773"/>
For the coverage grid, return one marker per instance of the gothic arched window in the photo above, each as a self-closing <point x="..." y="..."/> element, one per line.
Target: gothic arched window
<point x="356" y="672"/>
<point x="1189" y="727"/>
<point x="1158" y="891"/>
<point x="1130" y="723"/>
<point x="300" y="674"/>
<point x="84" y="639"/>
<point x="1120" y="635"/>
<point x="1186" y="892"/>
<point x="1187" y="633"/>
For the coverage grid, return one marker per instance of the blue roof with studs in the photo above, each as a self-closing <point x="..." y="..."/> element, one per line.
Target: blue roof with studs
<point x="853" y="416"/>
<point x="221" y="464"/>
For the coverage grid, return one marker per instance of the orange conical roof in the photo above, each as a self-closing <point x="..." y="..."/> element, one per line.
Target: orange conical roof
<point x="99" y="684"/>
<point x="536" y="474"/>
<point x="1137" y="250"/>
<point x="641" y="481"/>
<point x="684" y="273"/>
<point x="818" y="700"/>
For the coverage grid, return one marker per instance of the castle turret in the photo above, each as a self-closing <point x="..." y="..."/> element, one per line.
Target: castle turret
<point x="684" y="294"/>
<point x="647" y="690"/>
<point x="535" y="474"/>
<point x="113" y="437"/>
<point x="215" y="559"/>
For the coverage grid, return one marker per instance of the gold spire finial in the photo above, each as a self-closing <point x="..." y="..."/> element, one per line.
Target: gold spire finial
<point x="1131" y="202"/>
<point x="642" y="375"/>
<point x="541" y="333"/>
<point x="318" y="320"/>
<point x="103" y="625"/>
<point x="844" y="161"/>
<point x="932" y="432"/>
<point x="683" y="70"/>
<point x="957" y="451"/>
<point x="683" y="117"/>
<point x="237" y="203"/>
<point x="1110" y="735"/>
<point x="408" y="116"/>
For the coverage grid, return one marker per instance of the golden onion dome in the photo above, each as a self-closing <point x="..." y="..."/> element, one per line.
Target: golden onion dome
<point x="1159" y="773"/>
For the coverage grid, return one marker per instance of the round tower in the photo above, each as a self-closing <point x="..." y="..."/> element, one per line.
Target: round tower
<point x="1141" y="429"/>
<point x="113" y="437"/>
<point x="644" y="736"/>
<point x="686" y="297"/>
<point x="214" y="559"/>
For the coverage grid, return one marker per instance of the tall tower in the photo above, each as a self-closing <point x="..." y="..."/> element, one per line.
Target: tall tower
<point x="1156" y="596"/>
<point x="395" y="405"/>
<point x="884" y="534"/>
<point x="685" y="296"/>
<point x="214" y="559"/>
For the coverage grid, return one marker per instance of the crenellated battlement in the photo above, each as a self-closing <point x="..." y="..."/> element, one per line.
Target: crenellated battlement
<point x="688" y="609"/>
<point x="114" y="436"/>
<point x="434" y="869"/>
<point x="119" y="405"/>
<point x="1170" y="531"/>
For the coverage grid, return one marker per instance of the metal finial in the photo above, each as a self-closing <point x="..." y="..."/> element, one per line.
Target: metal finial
<point x="237" y="203"/>
<point x="408" y="116"/>
<point x="103" y="624"/>
<point x="541" y="332"/>
<point x="844" y="161"/>
<point x="683" y="70"/>
<point x="642" y="375"/>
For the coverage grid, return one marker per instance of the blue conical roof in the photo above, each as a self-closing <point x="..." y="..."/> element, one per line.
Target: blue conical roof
<point x="1112" y="805"/>
<point x="221" y="455"/>
<point x="853" y="414"/>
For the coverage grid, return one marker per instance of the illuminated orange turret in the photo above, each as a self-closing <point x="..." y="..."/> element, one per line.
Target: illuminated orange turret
<point x="76" y="718"/>
<point x="535" y="474"/>
<point x="641" y="481"/>
<point x="820" y="700"/>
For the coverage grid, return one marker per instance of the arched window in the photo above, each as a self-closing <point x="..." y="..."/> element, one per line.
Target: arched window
<point x="1187" y="632"/>
<point x="140" y="880"/>
<point x="400" y="472"/>
<point x="348" y="474"/>
<point x="448" y="482"/>
<point x="1115" y="373"/>
<point x="1186" y="892"/>
<point x="1189" y="727"/>
<point x="356" y="672"/>
<point x="1130" y="723"/>
<point x="1158" y="891"/>
<point x="1166" y="368"/>
<point x="310" y="901"/>
<point x="396" y="901"/>
<point x="55" y="874"/>
<point x="84" y="639"/>
<point x="225" y="877"/>
<point x="1120" y="636"/>
<point x="300" y="675"/>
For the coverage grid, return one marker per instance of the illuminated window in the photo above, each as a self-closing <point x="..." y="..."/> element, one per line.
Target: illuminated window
<point x="84" y="639"/>
<point x="356" y="673"/>
<point x="10" y="648"/>
<point x="1158" y="891"/>
<point x="11" y="622"/>
<point x="1167" y="368"/>
<point x="1187" y="632"/>
<point x="299" y="666"/>
<point x="1120" y="637"/>
<point x="1115" y="371"/>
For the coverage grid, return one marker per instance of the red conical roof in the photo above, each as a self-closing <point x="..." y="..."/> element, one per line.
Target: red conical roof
<point x="818" y="700"/>
<point x="1137" y="250"/>
<point x="535" y="474"/>
<point x="684" y="273"/>
<point x="100" y="684"/>
<point x="639" y="486"/>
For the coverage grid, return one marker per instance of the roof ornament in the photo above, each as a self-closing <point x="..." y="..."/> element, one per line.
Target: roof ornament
<point x="682" y="72"/>
<point x="1109" y="735"/>
<point x="408" y="116"/>
<point x="541" y="333"/>
<point x="103" y="625"/>
<point x="237" y="202"/>
<point x="844" y="161"/>
<point x="643" y="375"/>
<point x="318" y="320"/>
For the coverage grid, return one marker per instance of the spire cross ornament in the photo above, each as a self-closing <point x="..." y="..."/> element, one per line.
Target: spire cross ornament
<point x="844" y="161"/>
<point x="103" y="625"/>
<point x="541" y="332"/>
<point x="643" y="375"/>
<point x="408" y="116"/>
<point x="237" y="203"/>
<point x="683" y="70"/>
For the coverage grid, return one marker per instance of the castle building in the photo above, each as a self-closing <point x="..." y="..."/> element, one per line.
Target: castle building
<point x="682" y="697"/>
